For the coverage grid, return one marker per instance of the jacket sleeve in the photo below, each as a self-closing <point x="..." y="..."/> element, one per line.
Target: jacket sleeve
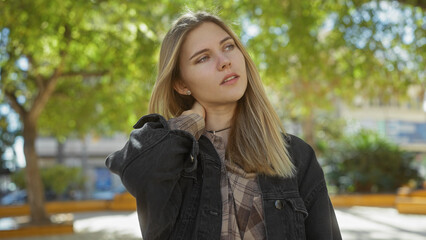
<point x="150" y="165"/>
<point x="321" y="223"/>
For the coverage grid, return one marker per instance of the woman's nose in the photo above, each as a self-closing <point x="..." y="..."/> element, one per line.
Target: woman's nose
<point x="224" y="62"/>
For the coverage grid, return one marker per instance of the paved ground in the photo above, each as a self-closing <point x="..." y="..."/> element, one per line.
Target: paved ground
<point x="360" y="223"/>
<point x="365" y="223"/>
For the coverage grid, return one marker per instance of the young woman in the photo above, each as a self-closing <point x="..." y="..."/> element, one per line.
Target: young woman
<point x="212" y="161"/>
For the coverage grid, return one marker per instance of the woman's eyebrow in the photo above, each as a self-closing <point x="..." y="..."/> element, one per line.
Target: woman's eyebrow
<point x="225" y="39"/>
<point x="205" y="49"/>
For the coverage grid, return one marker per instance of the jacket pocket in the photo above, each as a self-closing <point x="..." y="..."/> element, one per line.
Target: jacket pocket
<point x="300" y="214"/>
<point x="292" y="214"/>
<point x="298" y="206"/>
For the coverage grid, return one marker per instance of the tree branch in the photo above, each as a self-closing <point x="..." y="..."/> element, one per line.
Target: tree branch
<point x="15" y="104"/>
<point x="39" y="79"/>
<point x="50" y="85"/>
<point x="11" y="96"/>
<point x="416" y="3"/>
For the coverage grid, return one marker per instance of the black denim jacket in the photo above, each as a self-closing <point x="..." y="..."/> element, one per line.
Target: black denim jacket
<point x="175" y="180"/>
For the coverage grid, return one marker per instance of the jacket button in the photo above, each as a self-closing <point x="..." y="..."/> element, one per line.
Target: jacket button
<point x="214" y="213"/>
<point x="278" y="204"/>
<point x="192" y="158"/>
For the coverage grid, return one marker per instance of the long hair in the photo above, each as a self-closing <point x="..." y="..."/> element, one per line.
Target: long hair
<point x="255" y="142"/>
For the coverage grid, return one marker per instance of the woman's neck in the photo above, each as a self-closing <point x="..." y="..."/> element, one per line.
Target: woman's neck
<point x="218" y="118"/>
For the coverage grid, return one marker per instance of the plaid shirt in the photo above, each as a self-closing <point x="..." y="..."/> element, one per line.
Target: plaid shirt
<point x="242" y="211"/>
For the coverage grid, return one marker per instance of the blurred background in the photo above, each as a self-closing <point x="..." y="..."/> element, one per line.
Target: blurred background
<point x="348" y="76"/>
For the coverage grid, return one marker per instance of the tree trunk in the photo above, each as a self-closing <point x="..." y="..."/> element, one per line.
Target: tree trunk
<point x="60" y="159"/>
<point x="35" y="190"/>
<point x="85" y="166"/>
<point x="309" y="130"/>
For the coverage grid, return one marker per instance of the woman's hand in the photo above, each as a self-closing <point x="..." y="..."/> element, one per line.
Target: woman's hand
<point x="196" y="108"/>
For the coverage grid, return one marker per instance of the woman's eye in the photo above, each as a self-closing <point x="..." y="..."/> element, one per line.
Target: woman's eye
<point x="202" y="59"/>
<point x="229" y="47"/>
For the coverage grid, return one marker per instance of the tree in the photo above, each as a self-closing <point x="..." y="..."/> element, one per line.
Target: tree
<point x="73" y="57"/>
<point x="316" y="53"/>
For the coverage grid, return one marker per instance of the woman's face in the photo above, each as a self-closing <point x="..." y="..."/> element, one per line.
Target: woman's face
<point x="212" y="67"/>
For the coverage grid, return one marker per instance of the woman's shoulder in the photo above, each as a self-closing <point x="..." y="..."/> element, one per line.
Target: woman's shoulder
<point x="302" y="155"/>
<point x="297" y="146"/>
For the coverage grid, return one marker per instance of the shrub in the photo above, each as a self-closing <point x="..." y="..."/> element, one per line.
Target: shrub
<point x="366" y="162"/>
<point x="57" y="179"/>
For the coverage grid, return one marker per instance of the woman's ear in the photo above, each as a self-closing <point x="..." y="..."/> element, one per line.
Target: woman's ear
<point x="180" y="87"/>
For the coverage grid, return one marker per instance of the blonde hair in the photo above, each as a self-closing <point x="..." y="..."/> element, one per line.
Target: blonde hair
<point x="255" y="142"/>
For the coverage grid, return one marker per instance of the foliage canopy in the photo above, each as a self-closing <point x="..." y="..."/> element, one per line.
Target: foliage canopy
<point x="311" y="52"/>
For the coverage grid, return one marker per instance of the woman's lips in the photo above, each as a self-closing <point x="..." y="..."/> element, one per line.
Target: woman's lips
<point x="231" y="81"/>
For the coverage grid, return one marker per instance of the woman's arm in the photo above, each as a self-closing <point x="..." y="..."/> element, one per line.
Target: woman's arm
<point x="150" y="165"/>
<point x="321" y="223"/>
